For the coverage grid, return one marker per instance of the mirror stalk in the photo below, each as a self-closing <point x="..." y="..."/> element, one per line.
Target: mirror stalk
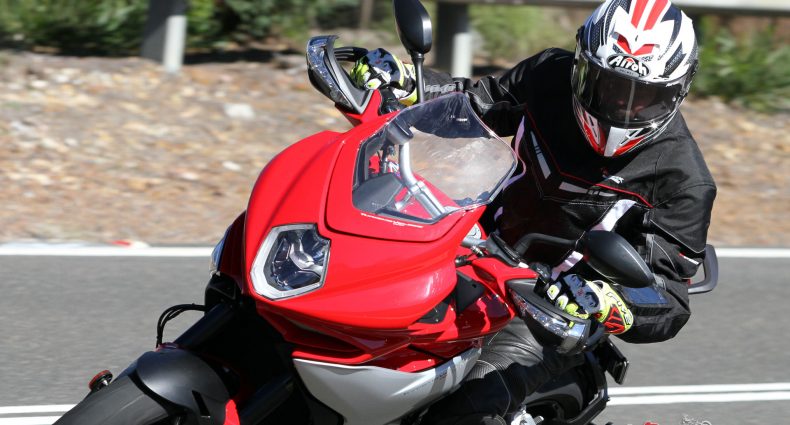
<point x="418" y="59"/>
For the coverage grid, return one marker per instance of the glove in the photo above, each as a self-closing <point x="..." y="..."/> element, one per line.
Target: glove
<point x="379" y="68"/>
<point x="583" y="298"/>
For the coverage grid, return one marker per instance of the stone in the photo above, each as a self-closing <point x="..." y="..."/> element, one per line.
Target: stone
<point x="242" y="111"/>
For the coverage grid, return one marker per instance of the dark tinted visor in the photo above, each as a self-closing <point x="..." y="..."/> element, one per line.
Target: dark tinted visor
<point x="619" y="100"/>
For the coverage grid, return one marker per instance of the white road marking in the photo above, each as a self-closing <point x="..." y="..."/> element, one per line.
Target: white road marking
<point x="677" y="389"/>
<point x="75" y="250"/>
<point x="753" y="252"/>
<point x="30" y="420"/>
<point x="9" y="410"/>
<point x="700" y="398"/>
<point x="102" y="251"/>
<point x="628" y="396"/>
<point x="621" y="396"/>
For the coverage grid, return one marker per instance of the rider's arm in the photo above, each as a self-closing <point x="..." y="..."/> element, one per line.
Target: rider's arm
<point x="673" y="244"/>
<point x="498" y="101"/>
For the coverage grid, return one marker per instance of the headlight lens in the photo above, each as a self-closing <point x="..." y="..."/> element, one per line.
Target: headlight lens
<point x="291" y="261"/>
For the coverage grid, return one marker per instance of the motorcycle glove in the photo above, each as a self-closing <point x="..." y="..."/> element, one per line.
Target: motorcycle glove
<point x="583" y="298"/>
<point x="380" y="68"/>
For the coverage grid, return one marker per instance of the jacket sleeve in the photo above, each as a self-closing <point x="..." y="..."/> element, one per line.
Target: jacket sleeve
<point x="499" y="102"/>
<point x="673" y="246"/>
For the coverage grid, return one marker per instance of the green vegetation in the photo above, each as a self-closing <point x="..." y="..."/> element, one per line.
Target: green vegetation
<point x="290" y="19"/>
<point x="753" y="71"/>
<point x="114" y="27"/>
<point x="512" y="33"/>
<point x="104" y="27"/>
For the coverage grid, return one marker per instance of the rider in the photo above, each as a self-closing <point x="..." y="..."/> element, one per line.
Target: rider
<point x="601" y="145"/>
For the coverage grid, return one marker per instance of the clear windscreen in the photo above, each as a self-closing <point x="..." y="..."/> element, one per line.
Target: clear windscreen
<point x="430" y="160"/>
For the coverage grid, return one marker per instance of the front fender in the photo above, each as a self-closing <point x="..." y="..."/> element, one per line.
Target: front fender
<point x="186" y="380"/>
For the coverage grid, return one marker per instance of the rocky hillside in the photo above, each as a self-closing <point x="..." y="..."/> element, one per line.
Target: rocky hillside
<point x="100" y="149"/>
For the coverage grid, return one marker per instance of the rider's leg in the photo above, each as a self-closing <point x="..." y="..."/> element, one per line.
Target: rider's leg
<point x="512" y="366"/>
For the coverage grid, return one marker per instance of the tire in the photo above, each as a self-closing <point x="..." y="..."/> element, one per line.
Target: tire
<point x="120" y="403"/>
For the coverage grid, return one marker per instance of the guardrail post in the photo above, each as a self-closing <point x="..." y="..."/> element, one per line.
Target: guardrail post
<point x="165" y="31"/>
<point x="454" y="39"/>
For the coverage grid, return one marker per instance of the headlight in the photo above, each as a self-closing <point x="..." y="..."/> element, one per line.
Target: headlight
<point x="292" y="260"/>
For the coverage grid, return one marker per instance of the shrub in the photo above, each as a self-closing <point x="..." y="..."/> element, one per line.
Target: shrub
<point x="204" y="23"/>
<point x="511" y="33"/>
<point x="753" y="70"/>
<point x="257" y="19"/>
<point x="107" y="26"/>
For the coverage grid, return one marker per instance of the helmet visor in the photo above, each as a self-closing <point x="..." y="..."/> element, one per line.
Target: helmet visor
<point x="622" y="101"/>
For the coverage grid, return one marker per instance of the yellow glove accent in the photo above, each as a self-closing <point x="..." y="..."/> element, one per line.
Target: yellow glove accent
<point x="615" y="315"/>
<point x="563" y="302"/>
<point x="583" y="298"/>
<point x="359" y="73"/>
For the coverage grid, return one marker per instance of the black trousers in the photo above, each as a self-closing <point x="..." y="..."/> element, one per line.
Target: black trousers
<point x="512" y="366"/>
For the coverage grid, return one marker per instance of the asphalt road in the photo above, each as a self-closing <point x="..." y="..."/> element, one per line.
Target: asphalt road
<point x="64" y="319"/>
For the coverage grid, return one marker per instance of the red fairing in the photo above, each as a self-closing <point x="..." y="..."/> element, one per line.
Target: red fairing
<point x="383" y="275"/>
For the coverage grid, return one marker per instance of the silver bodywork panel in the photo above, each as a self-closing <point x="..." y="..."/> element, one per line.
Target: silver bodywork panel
<point x="369" y="395"/>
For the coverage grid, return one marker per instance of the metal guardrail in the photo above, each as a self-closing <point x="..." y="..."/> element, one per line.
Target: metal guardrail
<point x="748" y="7"/>
<point x="454" y="40"/>
<point x="165" y="31"/>
<point x="164" y="36"/>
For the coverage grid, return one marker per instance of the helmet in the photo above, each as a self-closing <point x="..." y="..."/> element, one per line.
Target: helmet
<point x="633" y="66"/>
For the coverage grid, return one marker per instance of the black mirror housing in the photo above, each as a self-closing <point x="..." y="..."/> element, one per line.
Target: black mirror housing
<point x="414" y="26"/>
<point x="611" y="256"/>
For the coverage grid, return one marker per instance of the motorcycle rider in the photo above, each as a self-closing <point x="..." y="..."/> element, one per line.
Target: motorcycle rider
<point x="601" y="145"/>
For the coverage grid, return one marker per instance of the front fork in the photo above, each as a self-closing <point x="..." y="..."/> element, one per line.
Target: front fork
<point x="192" y="375"/>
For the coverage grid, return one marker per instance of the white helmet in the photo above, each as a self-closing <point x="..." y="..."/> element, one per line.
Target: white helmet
<point x="634" y="63"/>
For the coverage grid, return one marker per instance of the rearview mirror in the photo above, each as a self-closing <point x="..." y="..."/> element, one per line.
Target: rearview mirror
<point x="414" y="26"/>
<point x="614" y="258"/>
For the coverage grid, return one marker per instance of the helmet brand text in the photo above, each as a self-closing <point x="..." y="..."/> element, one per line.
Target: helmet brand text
<point x="628" y="65"/>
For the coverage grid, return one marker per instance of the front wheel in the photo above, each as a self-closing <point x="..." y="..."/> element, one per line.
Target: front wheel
<point x="120" y="403"/>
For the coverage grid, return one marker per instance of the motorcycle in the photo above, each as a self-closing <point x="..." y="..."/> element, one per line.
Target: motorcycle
<point x="358" y="285"/>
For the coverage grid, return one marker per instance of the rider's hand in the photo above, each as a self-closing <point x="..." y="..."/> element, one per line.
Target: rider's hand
<point x="379" y="68"/>
<point x="583" y="298"/>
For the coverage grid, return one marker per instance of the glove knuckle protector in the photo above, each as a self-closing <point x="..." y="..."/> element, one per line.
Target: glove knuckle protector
<point x="583" y="298"/>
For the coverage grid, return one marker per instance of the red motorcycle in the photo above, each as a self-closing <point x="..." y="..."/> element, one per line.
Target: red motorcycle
<point x="358" y="285"/>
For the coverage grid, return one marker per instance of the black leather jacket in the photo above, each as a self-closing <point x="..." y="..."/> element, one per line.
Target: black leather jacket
<point x="658" y="197"/>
